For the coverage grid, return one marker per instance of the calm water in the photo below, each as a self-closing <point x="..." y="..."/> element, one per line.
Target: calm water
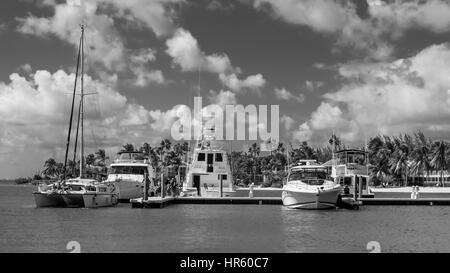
<point x="217" y="228"/>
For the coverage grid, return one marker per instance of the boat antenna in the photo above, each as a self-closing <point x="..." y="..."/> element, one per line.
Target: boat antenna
<point x="71" y="111"/>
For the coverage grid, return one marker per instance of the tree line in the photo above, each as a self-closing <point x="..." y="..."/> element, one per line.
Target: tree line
<point x="393" y="159"/>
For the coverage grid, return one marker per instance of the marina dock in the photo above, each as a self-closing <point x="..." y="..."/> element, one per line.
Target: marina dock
<point x="158" y="202"/>
<point x="405" y="202"/>
<point x="345" y="202"/>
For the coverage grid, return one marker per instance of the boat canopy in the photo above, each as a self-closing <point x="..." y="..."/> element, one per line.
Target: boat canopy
<point x="351" y="156"/>
<point x="131" y="157"/>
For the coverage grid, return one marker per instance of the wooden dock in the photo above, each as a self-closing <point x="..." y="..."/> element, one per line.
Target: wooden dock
<point x="405" y="201"/>
<point x="158" y="202"/>
<point x="345" y="202"/>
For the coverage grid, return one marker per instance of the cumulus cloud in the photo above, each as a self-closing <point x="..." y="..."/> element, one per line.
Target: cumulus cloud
<point x="139" y="67"/>
<point x="222" y="98"/>
<point x="283" y="94"/>
<point x="388" y="97"/>
<point x="186" y="53"/>
<point x="386" y="20"/>
<point x="104" y="43"/>
<point x="252" y="82"/>
<point x="287" y="121"/>
<point x="105" y="46"/>
<point x="34" y="115"/>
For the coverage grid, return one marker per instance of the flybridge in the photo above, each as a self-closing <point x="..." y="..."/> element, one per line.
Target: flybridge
<point x="189" y="125"/>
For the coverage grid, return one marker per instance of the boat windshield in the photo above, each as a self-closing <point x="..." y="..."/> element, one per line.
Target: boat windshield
<point x="314" y="174"/>
<point x="141" y="170"/>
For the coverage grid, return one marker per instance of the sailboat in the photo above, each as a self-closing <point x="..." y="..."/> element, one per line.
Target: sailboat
<point x="76" y="192"/>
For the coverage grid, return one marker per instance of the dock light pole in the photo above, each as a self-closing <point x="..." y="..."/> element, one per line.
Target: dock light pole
<point x="221" y="186"/>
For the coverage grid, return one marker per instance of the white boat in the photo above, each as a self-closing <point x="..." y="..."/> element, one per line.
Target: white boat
<point x="128" y="172"/>
<point x="310" y="187"/>
<point x="209" y="172"/>
<point x="89" y="193"/>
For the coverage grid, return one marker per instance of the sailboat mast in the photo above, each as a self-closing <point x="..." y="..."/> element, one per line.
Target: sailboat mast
<point x="71" y="113"/>
<point x="82" y="105"/>
<point x="76" y="140"/>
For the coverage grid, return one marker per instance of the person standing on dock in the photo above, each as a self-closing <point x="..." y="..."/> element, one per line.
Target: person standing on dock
<point x="250" y="190"/>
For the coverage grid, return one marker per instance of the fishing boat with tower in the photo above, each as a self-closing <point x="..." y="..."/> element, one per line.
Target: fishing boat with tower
<point x="209" y="173"/>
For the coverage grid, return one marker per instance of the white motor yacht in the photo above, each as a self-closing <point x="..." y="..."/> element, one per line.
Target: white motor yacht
<point x="128" y="172"/>
<point x="310" y="187"/>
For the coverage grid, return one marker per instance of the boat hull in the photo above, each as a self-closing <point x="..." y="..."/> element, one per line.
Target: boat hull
<point x="43" y="199"/>
<point x="297" y="199"/>
<point x="99" y="200"/>
<point x="73" y="200"/>
<point x="129" y="190"/>
<point x="90" y="200"/>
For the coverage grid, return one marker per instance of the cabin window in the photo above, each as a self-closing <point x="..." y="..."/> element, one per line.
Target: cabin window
<point x="219" y="157"/>
<point x="201" y="157"/>
<point x="128" y="170"/>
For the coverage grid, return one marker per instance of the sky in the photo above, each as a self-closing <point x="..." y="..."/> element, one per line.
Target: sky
<point x="358" y="68"/>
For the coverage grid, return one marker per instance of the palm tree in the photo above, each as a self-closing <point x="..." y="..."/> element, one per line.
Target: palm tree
<point x="146" y="149"/>
<point x="439" y="157"/>
<point x="51" y="168"/>
<point x="128" y="148"/>
<point x="420" y="155"/>
<point x="100" y="157"/>
<point x="254" y="152"/>
<point x="335" y="142"/>
<point x="399" y="158"/>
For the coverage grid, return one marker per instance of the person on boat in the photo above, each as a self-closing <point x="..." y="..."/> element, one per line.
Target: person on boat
<point x="346" y="189"/>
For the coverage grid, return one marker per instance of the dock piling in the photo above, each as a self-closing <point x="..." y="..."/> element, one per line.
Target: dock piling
<point x="221" y="186"/>
<point x="146" y="186"/>
<point x="162" y="186"/>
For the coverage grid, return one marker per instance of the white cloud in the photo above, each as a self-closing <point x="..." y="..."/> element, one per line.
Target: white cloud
<point x="105" y="47"/>
<point x="252" y="82"/>
<point x="139" y="67"/>
<point x="389" y="98"/>
<point x="373" y="34"/>
<point x="186" y="53"/>
<point x="287" y="121"/>
<point x="283" y="94"/>
<point x="104" y="44"/>
<point x="34" y="116"/>
<point x="222" y="98"/>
